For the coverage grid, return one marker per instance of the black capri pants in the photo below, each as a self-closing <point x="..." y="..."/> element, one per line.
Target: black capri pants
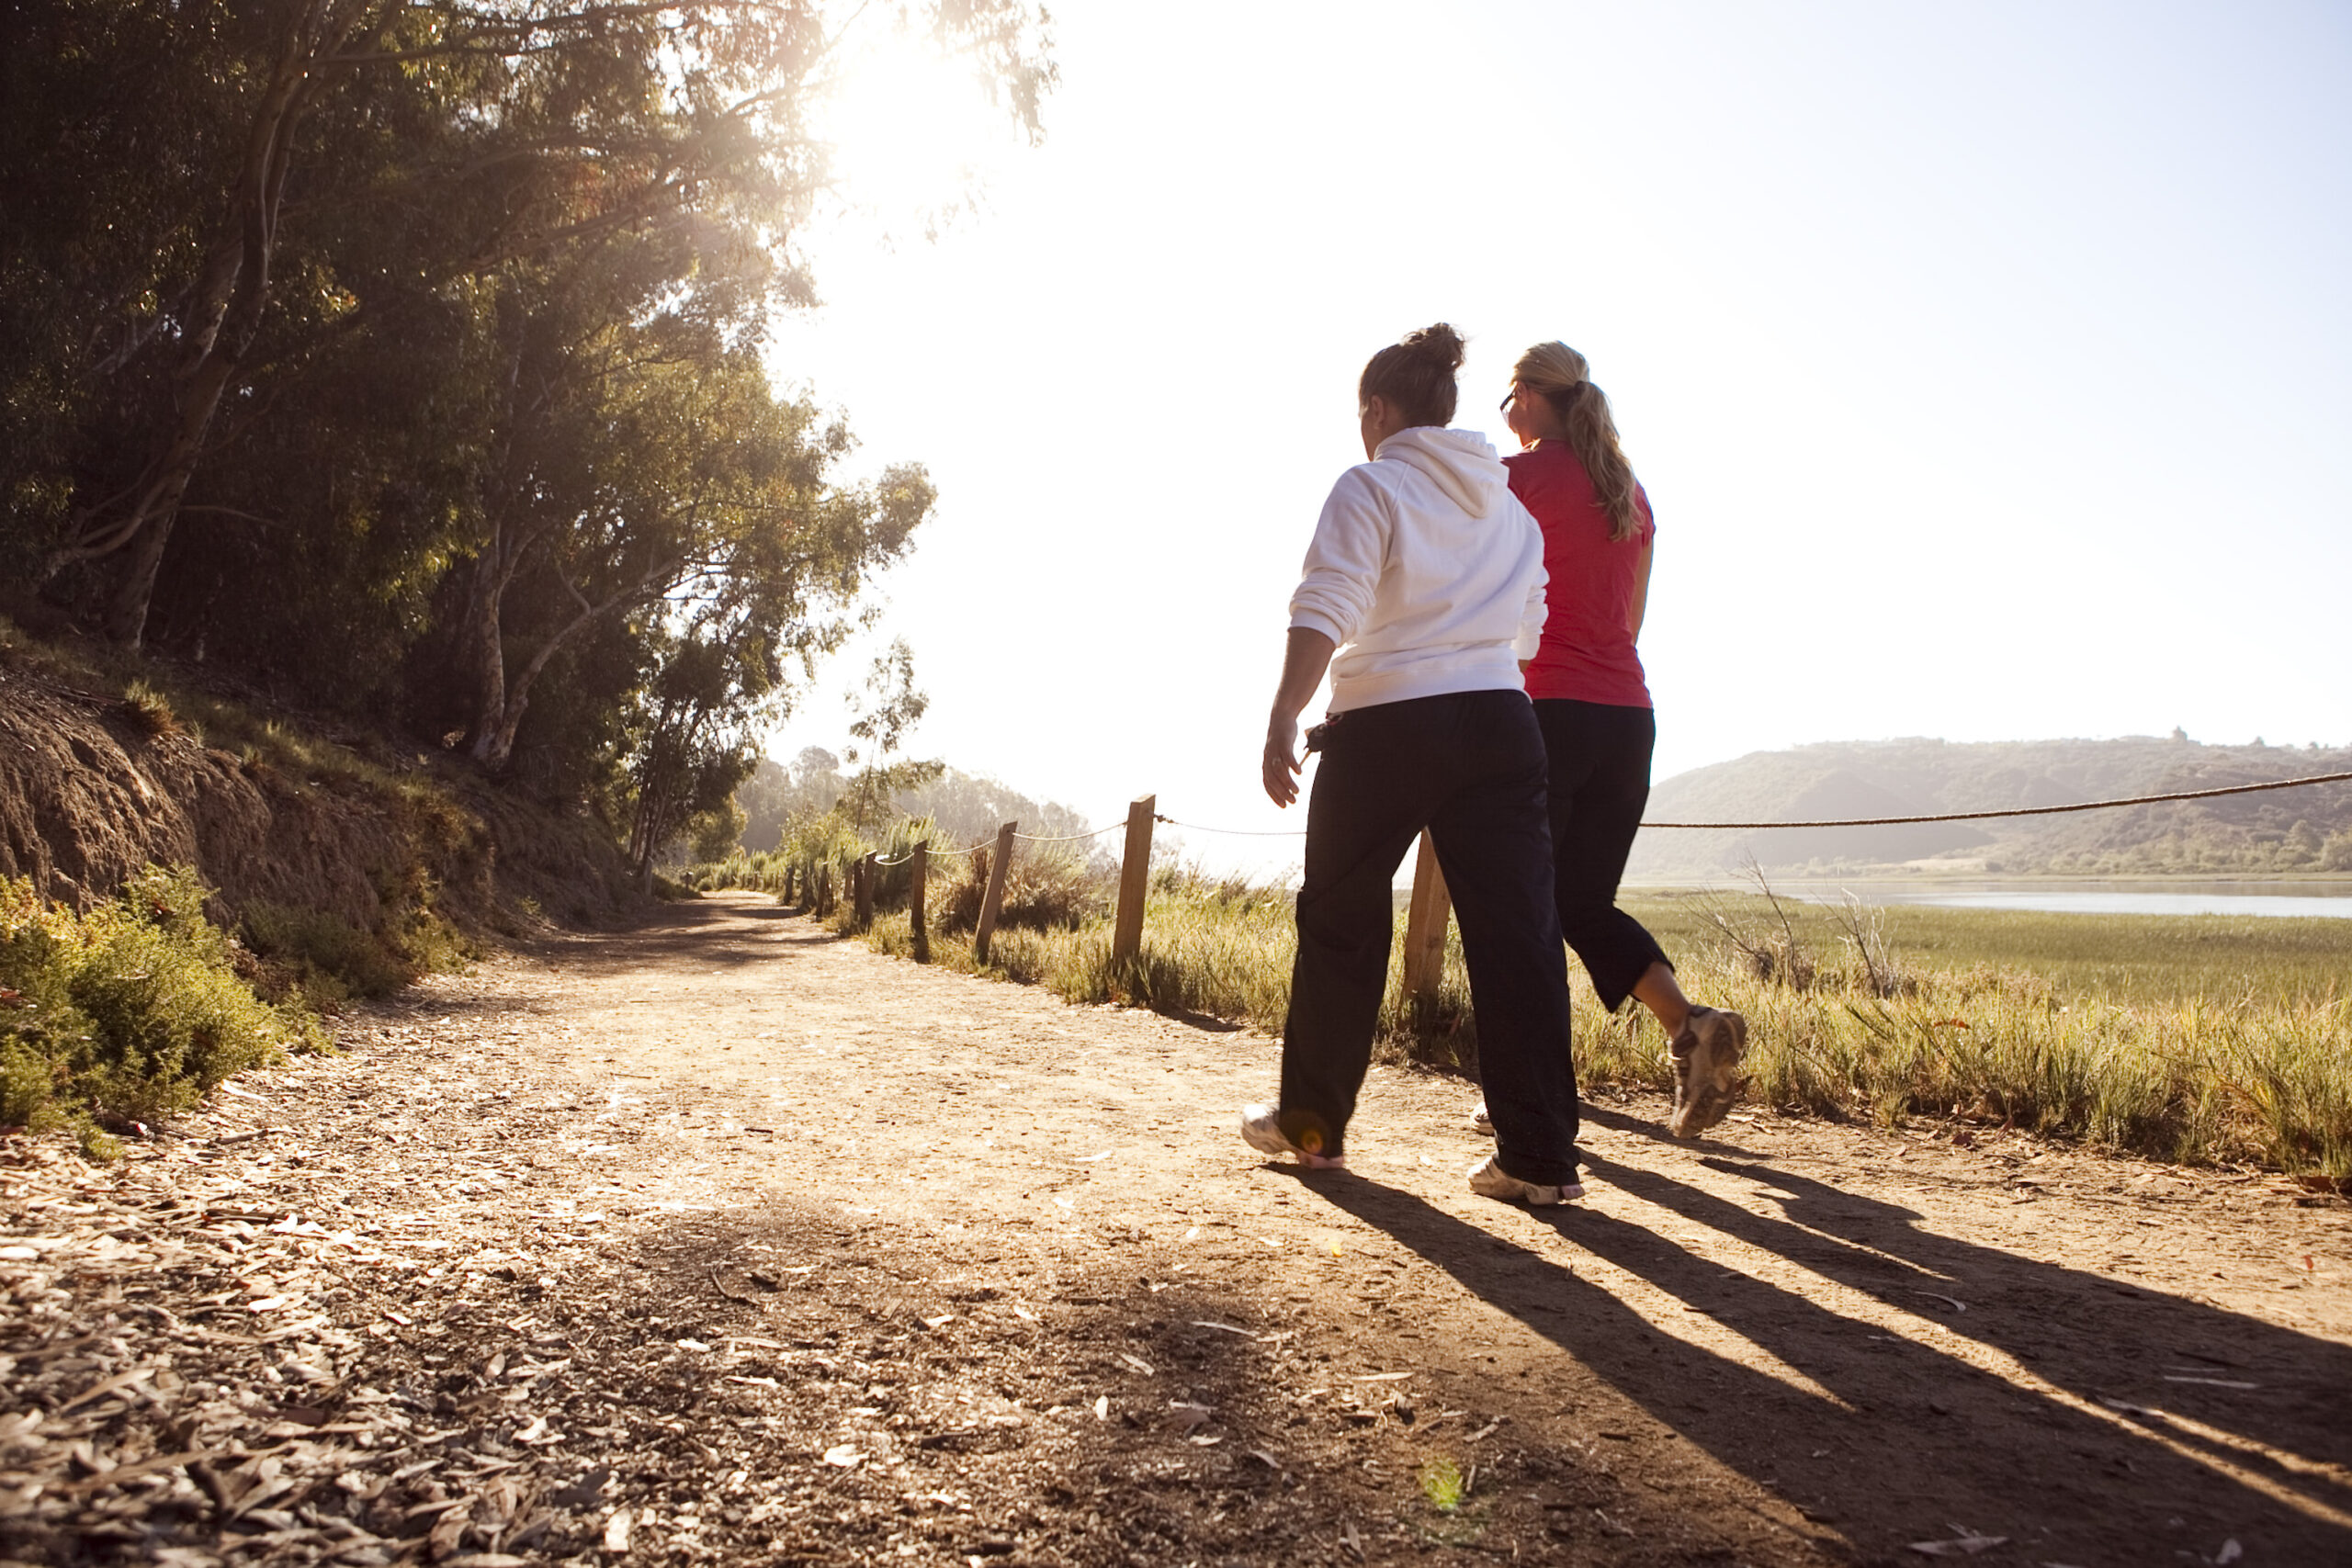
<point x="1600" y="765"/>
<point x="1469" y="767"/>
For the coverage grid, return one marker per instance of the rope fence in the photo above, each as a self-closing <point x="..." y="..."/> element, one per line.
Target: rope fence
<point x="2025" y="810"/>
<point x="1235" y="832"/>
<point x="1025" y="837"/>
<point x="2213" y="794"/>
<point x="967" y="848"/>
<point x="1068" y="837"/>
<point x="1884" y="821"/>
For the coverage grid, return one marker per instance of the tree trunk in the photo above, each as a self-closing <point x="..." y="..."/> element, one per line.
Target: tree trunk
<point x="231" y="306"/>
<point x="495" y="746"/>
<point x="500" y="749"/>
<point x="127" y="613"/>
<point x="486" y="647"/>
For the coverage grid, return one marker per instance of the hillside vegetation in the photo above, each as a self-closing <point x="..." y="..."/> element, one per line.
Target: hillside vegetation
<point x="189" y="882"/>
<point x="133" y="1011"/>
<point x="2288" y="831"/>
<point x="104" y="773"/>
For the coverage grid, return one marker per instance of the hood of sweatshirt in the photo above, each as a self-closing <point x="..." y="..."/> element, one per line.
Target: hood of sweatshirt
<point x="1462" y="463"/>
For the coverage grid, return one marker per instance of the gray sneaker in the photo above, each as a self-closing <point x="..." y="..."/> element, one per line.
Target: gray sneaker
<point x="1489" y="1179"/>
<point x="1706" y="1070"/>
<point x="1261" y="1130"/>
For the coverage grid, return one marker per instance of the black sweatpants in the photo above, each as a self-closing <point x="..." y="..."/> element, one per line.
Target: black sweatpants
<point x="1469" y="767"/>
<point x="1599" y="757"/>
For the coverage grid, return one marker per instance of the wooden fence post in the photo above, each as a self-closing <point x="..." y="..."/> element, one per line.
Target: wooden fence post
<point x="1425" y="917"/>
<point x="920" y="866"/>
<point x="998" y="864"/>
<point x="788" y="900"/>
<point x="1134" y="879"/>
<point x="824" y="890"/>
<point x="864" y="908"/>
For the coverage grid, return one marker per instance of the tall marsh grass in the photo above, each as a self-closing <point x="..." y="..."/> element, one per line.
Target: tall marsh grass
<point x="1854" y="1014"/>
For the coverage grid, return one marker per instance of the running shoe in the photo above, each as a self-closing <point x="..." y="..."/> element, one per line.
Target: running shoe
<point x="1489" y="1179"/>
<point x="1261" y="1130"/>
<point x="1478" y="1119"/>
<point x="1706" y="1070"/>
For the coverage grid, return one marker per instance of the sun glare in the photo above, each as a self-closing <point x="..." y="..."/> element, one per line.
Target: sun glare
<point x="910" y="132"/>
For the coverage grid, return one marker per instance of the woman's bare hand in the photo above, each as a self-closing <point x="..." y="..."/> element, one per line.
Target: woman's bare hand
<point x="1280" y="766"/>
<point x="1306" y="653"/>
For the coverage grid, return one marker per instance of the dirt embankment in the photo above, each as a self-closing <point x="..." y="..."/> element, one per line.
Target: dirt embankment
<point x="94" y="787"/>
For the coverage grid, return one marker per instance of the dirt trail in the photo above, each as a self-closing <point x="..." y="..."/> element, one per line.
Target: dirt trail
<point x="729" y="1241"/>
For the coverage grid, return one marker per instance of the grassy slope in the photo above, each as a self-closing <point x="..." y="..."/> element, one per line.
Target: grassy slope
<point x="110" y="760"/>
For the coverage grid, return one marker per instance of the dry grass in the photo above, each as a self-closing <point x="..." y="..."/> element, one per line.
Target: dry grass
<point x="1042" y="892"/>
<point x="1212" y="947"/>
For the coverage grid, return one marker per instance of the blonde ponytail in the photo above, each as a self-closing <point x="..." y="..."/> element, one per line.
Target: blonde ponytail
<point x="1561" y="376"/>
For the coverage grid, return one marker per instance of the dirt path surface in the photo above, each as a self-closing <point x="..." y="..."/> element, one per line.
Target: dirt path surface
<point x="730" y="1241"/>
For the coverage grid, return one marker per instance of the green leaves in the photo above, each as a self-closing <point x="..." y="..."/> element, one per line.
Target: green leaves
<point x="129" y="1012"/>
<point x="479" y="291"/>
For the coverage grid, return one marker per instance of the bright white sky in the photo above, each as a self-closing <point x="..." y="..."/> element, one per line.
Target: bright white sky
<point x="1986" y="365"/>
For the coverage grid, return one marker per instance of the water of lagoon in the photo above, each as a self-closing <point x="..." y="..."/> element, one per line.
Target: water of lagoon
<point x="2092" y="897"/>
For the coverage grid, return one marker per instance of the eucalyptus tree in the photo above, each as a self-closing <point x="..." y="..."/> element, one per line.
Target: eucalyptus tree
<point x="891" y="709"/>
<point x="339" y="156"/>
<point x="719" y="676"/>
<point x="674" y="483"/>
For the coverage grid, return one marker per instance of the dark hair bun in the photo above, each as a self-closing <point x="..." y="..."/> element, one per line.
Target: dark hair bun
<point x="1416" y="376"/>
<point x="1439" y="343"/>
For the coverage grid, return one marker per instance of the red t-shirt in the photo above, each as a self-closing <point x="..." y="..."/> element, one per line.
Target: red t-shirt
<point x="1587" y="653"/>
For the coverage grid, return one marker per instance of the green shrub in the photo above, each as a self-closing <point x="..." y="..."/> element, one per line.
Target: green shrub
<point x="414" y="927"/>
<point x="329" y="959"/>
<point x="129" y="1012"/>
<point x="761" y="872"/>
<point x="27" y="1077"/>
<point x="431" y="945"/>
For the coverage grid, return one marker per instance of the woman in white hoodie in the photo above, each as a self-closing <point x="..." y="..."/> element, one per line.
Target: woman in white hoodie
<point x="1423" y="589"/>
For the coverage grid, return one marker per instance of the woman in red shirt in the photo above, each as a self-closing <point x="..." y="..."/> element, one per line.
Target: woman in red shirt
<point x="1594" y="709"/>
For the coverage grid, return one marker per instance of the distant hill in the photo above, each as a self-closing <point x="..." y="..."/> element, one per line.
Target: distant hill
<point x="2288" y="831"/>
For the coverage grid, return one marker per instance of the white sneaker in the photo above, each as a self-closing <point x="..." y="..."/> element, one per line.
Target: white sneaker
<point x="1489" y="1179"/>
<point x="1261" y="1130"/>
<point x="1707" y="1070"/>
<point x="1478" y="1119"/>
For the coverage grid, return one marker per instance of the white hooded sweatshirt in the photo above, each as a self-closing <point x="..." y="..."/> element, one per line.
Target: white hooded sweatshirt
<point x="1426" y="570"/>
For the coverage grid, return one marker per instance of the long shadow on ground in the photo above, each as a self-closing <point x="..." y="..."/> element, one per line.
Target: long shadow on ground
<point x="1892" y="1438"/>
<point x="785" y="1383"/>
